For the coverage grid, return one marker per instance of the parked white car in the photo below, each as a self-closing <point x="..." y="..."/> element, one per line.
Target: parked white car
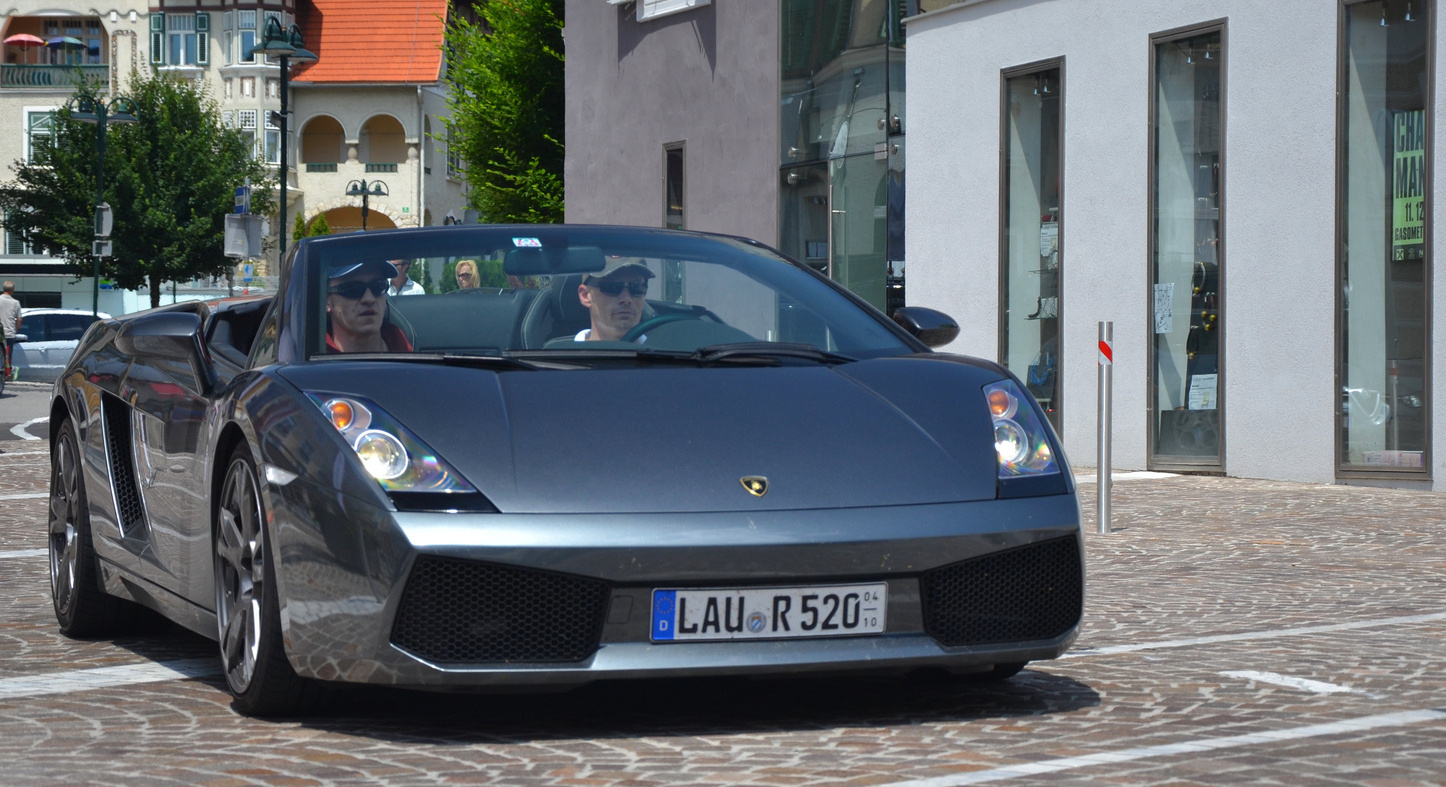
<point x="49" y="339"/>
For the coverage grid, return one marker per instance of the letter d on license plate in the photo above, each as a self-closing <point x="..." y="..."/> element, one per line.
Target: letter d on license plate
<point x="769" y="613"/>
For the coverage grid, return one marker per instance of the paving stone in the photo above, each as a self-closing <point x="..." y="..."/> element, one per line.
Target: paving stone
<point x="1188" y="557"/>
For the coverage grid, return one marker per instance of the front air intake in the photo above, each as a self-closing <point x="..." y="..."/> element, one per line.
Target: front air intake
<point x="457" y="611"/>
<point x="1032" y="592"/>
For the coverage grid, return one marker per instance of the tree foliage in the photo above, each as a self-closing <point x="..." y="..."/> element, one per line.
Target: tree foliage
<point x="170" y="180"/>
<point x="507" y="108"/>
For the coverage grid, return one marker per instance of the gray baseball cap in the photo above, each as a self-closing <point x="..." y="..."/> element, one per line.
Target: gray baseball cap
<point x="380" y="267"/>
<point x="618" y="264"/>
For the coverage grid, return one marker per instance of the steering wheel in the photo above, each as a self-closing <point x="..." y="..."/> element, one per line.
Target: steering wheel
<point x="653" y="322"/>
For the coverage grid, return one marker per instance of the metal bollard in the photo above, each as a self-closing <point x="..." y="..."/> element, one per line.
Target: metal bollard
<point x="1102" y="467"/>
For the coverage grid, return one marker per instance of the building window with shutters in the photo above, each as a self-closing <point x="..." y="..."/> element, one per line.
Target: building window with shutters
<point x="180" y="39"/>
<point x="14" y="242"/>
<point x="39" y="129"/>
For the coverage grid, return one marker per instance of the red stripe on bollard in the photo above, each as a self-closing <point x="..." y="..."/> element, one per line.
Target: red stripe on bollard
<point x="1107" y="354"/>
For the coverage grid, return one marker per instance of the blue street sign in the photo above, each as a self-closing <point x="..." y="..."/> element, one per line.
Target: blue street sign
<point x="247" y="271"/>
<point x="243" y="199"/>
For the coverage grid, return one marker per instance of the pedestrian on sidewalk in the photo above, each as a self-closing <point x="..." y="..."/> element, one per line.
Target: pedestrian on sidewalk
<point x="9" y="320"/>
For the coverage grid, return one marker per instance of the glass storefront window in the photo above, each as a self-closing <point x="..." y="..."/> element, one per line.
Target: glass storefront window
<point x="840" y="147"/>
<point x="1186" y="244"/>
<point x="1384" y="266"/>
<point x="1029" y="247"/>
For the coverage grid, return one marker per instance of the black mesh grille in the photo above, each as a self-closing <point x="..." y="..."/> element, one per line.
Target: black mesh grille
<point x="461" y="611"/>
<point x="1031" y="592"/>
<point x="122" y="472"/>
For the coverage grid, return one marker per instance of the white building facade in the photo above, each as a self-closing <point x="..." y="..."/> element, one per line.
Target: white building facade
<point x="1242" y="189"/>
<point x="384" y="118"/>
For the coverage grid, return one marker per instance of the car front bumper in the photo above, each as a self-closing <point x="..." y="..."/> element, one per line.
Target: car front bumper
<point x="350" y="572"/>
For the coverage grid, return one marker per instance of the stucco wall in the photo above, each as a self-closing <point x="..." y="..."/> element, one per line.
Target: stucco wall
<point x="706" y="77"/>
<point x="1279" y="213"/>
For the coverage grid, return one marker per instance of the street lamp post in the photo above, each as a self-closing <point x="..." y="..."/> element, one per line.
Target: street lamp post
<point x="285" y="46"/>
<point x="91" y="109"/>
<point x="366" y="189"/>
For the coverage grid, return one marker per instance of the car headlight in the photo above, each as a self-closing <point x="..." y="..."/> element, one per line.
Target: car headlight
<point x="395" y="457"/>
<point x="1021" y="441"/>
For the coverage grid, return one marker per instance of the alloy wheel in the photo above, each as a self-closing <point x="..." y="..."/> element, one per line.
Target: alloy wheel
<point x="240" y="574"/>
<point x="64" y="533"/>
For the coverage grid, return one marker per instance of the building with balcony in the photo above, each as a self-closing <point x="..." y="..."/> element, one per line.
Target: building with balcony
<point x="49" y="48"/>
<point x="367" y="110"/>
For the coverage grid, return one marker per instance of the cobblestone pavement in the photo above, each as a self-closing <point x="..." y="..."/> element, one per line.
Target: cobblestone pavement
<point x="1237" y="632"/>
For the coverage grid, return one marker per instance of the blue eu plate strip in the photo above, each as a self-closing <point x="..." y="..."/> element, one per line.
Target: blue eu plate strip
<point x="665" y="611"/>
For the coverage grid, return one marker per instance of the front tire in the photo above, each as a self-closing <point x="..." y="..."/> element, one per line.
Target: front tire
<point x="82" y="608"/>
<point x="248" y="617"/>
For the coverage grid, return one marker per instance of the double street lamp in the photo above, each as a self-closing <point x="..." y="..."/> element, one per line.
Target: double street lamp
<point x="91" y="109"/>
<point x="286" y="46"/>
<point x="366" y="190"/>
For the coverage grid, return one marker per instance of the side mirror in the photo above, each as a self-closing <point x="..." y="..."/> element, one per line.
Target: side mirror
<point x="171" y="335"/>
<point x="931" y="327"/>
<point x="20" y="337"/>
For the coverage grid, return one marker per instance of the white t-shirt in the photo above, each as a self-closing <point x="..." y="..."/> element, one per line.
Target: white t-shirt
<point x="584" y="334"/>
<point x="409" y="288"/>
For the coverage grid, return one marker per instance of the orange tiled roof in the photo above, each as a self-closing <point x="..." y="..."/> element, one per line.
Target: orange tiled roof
<point x="371" y="41"/>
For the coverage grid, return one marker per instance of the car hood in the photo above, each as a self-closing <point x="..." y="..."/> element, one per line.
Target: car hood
<point x="895" y="431"/>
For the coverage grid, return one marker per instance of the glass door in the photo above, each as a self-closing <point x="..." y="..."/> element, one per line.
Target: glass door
<point x="1187" y="173"/>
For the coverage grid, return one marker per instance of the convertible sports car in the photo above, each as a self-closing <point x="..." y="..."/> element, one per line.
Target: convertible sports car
<point x="657" y="453"/>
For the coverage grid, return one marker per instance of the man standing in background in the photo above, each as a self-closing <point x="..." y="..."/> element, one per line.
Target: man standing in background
<point x="403" y="284"/>
<point x="9" y="320"/>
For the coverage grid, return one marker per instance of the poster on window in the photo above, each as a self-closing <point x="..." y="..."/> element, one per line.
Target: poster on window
<point x="1408" y="226"/>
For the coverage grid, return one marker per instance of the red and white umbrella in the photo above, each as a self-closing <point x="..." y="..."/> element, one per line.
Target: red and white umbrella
<point x="24" y="40"/>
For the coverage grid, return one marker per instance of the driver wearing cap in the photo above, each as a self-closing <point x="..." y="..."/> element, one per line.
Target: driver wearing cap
<point x="356" y="309"/>
<point x="614" y="298"/>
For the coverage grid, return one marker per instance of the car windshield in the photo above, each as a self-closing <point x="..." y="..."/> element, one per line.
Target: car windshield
<point x="569" y="293"/>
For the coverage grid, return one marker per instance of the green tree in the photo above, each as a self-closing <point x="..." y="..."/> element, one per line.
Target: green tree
<point x="507" y="108"/>
<point x="170" y="180"/>
<point x="449" y="278"/>
<point x="319" y="225"/>
<point x="298" y="230"/>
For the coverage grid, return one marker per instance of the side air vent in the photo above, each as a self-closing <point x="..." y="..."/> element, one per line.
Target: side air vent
<point x="117" y="422"/>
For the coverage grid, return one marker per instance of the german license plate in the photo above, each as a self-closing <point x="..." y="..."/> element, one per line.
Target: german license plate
<point x="769" y="613"/>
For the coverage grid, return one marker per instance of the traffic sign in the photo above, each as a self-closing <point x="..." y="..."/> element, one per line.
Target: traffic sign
<point x="243" y="199"/>
<point x="247" y="271"/>
<point x="104" y="221"/>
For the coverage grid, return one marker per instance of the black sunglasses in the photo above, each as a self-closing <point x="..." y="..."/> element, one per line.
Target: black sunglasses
<point x="615" y="288"/>
<point x="352" y="290"/>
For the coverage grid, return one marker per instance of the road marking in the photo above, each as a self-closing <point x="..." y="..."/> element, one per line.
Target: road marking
<point x="6" y="454"/>
<point x="107" y="677"/>
<point x="78" y="680"/>
<point x="1304" y="684"/>
<point x="23" y="553"/>
<point x="19" y="429"/>
<point x="1343" y="727"/>
<point x="26" y="496"/>
<point x="1080" y="653"/>
<point x="1137" y="475"/>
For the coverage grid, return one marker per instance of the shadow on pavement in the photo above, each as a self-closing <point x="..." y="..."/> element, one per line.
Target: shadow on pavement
<point x="694" y="706"/>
